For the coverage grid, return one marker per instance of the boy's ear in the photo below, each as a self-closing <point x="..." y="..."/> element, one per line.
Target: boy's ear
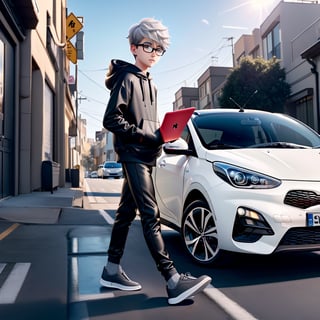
<point x="133" y="49"/>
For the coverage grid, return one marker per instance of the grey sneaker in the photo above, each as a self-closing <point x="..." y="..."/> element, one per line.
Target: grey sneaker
<point x="187" y="287"/>
<point x="119" y="281"/>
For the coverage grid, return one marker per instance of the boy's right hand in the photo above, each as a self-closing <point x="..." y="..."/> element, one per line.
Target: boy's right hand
<point x="154" y="139"/>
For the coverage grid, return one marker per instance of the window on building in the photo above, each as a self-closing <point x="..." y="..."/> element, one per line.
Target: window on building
<point x="202" y="91"/>
<point x="179" y="102"/>
<point x="303" y="110"/>
<point x="48" y="106"/>
<point x="194" y="103"/>
<point x="272" y="43"/>
<point x="208" y="87"/>
<point x="255" y="53"/>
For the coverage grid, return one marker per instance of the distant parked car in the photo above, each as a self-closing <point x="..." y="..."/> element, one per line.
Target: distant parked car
<point x="111" y="169"/>
<point x="94" y="174"/>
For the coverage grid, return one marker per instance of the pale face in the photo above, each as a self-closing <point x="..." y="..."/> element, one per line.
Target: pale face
<point x="145" y="59"/>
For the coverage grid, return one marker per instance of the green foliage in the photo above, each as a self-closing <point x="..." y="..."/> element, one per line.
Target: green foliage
<point x="265" y="76"/>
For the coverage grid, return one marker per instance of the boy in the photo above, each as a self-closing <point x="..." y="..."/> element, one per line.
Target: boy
<point x="131" y="115"/>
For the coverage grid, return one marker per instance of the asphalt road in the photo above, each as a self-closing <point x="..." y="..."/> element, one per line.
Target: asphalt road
<point x="51" y="270"/>
<point x="283" y="286"/>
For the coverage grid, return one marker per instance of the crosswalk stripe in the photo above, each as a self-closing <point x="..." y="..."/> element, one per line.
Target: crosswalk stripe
<point x="11" y="287"/>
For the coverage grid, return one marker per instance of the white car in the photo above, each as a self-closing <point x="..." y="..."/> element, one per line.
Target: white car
<point x="110" y="169"/>
<point x="94" y="174"/>
<point x="244" y="182"/>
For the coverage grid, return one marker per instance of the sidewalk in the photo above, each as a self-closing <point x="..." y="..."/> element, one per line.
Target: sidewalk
<point x="40" y="207"/>
<point x="56" y="233"/>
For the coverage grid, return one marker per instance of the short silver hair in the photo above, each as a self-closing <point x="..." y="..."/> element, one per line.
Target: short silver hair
<point x="151" y="29"/>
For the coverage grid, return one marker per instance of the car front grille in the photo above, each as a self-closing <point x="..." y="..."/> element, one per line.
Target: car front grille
<point x="302" y="198"/>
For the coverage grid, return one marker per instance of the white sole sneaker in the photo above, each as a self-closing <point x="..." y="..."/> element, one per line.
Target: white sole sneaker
<point x="182" y="292"/>
<point x="118" y="281"/>
<point x="119" y="286"/>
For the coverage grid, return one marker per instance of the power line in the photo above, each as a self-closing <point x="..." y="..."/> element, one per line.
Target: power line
<point x="94" y="81"/>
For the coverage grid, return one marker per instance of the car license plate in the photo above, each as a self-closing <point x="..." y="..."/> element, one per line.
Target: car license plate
<point x="313" y="219"/>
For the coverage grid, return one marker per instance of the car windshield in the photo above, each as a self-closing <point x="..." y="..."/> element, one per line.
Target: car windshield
<point x="112" y="165"/>
<point x="253" y="130"/>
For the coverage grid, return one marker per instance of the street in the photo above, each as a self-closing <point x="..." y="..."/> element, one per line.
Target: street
<point x="283" y="286"/>
<point x="50" y="269"/>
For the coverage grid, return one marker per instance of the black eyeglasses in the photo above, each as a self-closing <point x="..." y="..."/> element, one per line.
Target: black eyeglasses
<point x="147" y="47"/>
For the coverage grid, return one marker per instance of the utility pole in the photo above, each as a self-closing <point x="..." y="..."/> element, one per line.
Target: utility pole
<point x="232" y="50"/>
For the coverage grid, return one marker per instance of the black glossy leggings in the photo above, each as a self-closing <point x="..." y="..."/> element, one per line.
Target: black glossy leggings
<point x="138" y="193"/>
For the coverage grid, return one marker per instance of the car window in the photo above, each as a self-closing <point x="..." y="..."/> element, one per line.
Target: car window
<point x="285" y="133"/>
<point x="241" y="130"/>
<point x="112" y="165"/>
<point x="188" y="138"/>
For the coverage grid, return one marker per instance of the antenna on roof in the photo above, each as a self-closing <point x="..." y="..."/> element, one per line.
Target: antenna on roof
<point x="256" y="91"/>
<point x="242" y="107"/>
<point x="237" y="104"/>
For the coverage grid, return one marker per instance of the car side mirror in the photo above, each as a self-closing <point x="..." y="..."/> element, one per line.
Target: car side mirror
<point x="178" y="146"/>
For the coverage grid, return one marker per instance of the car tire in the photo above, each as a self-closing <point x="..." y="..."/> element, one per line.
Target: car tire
<point x="199" y="233"/>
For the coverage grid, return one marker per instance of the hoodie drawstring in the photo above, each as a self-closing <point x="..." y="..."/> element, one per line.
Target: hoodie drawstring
<point x="150" y="90"/>
<point x="141" y="86"/>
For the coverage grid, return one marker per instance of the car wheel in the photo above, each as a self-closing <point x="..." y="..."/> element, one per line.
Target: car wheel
<point x="199" y="233"/>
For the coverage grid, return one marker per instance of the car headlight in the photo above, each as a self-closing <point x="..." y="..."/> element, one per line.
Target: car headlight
<point x="242" y="178"/>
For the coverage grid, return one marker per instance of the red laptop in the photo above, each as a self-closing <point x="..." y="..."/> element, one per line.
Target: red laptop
<point x="174" y="122"/>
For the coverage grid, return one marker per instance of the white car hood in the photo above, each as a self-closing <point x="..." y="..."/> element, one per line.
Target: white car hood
<point x="284" y="164"/>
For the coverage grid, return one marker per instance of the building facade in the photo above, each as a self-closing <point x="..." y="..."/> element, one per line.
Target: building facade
<point x="289" y="30"/>
<point x="36" y="107"/>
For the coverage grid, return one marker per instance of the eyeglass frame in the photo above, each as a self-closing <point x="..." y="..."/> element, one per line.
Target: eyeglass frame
<point x="146" y="45"/>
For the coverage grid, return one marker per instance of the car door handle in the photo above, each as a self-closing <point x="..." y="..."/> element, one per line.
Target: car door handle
<point x="162" y="164"/>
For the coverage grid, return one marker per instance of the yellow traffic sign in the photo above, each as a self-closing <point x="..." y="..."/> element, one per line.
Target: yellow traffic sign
<point x="71" y="52"/>
<point x="73" y="25"/>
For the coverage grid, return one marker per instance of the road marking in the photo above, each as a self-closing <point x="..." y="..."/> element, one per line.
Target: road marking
<point x="9" y="230"/>
<point x="76" y="296"/>
<point x="11" y="287"/>
<point x="106" y="216"/>
<point x="2" y="266"/>
<point x="228" y="305"/>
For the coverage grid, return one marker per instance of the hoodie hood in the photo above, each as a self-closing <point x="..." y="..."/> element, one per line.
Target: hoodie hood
<point x="117" y="68"/>
<point x="117" y="71"/>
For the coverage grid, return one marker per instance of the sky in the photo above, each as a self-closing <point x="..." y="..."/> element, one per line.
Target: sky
<point x="200" y="36"/>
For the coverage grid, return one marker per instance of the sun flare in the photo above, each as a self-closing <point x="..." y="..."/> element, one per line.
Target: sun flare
<point x="261" y="7"/>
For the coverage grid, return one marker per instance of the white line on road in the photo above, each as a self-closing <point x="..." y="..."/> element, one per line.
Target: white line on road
<point x="106" y="216"/>
<point x="2" y="266"/>
<point x="11" y="287"/>
<point x="228" y="305"/>
<point x="76" y="296"/>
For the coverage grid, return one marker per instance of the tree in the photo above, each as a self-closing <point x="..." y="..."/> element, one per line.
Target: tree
<point x="256" y="84"/>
